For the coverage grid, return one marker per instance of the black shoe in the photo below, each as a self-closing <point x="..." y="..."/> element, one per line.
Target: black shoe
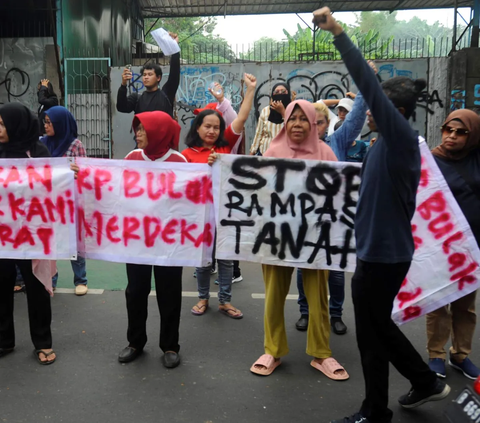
<point x="129" y="354"/>
<point x="302" y="323"/>
<point x="338" y="326"/>
<point x="171" y="359"/>
<point x="416" y="397"/>
<point x="355" y="418"/>
<point x="5" y="351"/>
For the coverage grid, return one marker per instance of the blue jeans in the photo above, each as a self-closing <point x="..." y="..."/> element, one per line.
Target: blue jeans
<point x="225" y="276"/>
<point x="79" y="271"/>
<point x="336" y="287"/>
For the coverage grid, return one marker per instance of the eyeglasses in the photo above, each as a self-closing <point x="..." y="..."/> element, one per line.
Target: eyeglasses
<point x="458" y="131"/>
<point x="45" y="122"/>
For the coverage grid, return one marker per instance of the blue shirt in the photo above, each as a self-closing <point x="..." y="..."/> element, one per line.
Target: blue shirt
<point x="390" y="173"/>
<point x="357" y="152"/>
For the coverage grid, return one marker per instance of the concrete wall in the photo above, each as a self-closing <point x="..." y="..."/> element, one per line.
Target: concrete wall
<point x="22" y="65"/>
<point x="311" y="81"/>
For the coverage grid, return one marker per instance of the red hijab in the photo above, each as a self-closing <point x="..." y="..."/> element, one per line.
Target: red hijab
<point x="163" y="133"/>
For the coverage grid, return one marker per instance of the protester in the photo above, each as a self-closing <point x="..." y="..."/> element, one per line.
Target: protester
<point x="61" y="140"/>
<point x="19" y="138"/>
<point x="157" y="137"/>
<point x="298" y="140"/>
<point x="47" y="99"/>
<point x="207" y="136"/>
<point x="384" y="240"/>
<point x="153" y="98"/>
<point x="270" y="122"/>
<point x="458" y="157"/>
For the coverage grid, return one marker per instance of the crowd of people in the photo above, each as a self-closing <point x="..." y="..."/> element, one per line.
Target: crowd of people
<point x="288" y="129"/>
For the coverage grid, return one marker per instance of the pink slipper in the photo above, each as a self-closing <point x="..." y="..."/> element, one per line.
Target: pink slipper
<point x="328" y="367"/>
<point x="265" y="365"/>
<point x="201" y="308"/>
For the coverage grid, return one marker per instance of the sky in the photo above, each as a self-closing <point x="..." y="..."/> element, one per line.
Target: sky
<point x="249" y="28"/>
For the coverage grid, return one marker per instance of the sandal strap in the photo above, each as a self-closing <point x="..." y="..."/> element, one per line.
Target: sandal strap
<point x="46" y="354"/>
<point x="266" y="360"/>
<point x="332" y="364"/>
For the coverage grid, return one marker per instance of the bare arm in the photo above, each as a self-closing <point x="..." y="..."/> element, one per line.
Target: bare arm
<point x="239" y="122"/>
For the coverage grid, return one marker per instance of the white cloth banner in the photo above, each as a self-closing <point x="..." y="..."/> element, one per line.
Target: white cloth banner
<point x="37" y="209"/>
<point x="145" y="212"/>
<point x="300" y="214"/>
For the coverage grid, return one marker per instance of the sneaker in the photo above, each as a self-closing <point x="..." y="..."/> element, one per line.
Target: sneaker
<point x="466" y="367"/>
<point x="237" y="279"/>
<point x="81" y="290"/>
<point x="216" y="281"/>
<point x="213" y="270"/>
<point x="437" y="365"/>
<point x="415" y="397"/>
<point x="355" y="418"/>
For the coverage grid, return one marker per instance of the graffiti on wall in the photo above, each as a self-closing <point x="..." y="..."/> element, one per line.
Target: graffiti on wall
<point x="312" y="81"/>
<point x="458" y="100"/>
<point x="476" y="95"/>
<point x="22" y="66"/>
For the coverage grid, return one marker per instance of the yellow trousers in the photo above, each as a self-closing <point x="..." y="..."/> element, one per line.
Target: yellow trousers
<point x="277" y="284"/>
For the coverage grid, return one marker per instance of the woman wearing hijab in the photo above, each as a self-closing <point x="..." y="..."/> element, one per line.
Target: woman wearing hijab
<point x="157" y="136"/>
<point x="19" y="132"/>
<point x="458" y="157"/>
<point x="270" y="122"/>
<point x="298" y="140"/>
<point x="47" y="99"/>
<point x="61" y="140"/>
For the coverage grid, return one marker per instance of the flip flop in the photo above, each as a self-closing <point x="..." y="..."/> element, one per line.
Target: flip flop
<point x="328" y="367"/>
<point x="231" y="312"/>
<point x="202" y="307"/>
<point x="267" y="364"/>
<point x="44" y="363"/>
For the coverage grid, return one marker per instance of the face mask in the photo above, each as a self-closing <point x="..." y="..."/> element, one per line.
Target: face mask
<point x="274" y="116"/>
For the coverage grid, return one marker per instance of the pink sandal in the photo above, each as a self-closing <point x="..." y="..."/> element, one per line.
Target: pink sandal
<point x="328" y="367"/>
<point x="201" y="308"/>
<point x="265" y="365"/>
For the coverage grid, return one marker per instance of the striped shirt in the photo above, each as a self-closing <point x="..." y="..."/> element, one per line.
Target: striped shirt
<point x="266" y="132"/>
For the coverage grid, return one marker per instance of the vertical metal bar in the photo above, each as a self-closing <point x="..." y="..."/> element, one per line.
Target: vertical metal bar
<point x="454" y="39"/>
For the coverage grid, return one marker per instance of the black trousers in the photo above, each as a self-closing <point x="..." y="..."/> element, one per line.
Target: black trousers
<point x="168" y="285"/>
<point x="38" y="302"/>
<point x="380" y="341"/>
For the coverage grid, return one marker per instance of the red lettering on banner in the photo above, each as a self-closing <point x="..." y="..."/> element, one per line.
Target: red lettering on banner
<point x="111" y="228"/>
<point x="36" y="209"/>
<point x="6" y="234"/>
<point x="169" y="230"/>
<point x="15" y="204"/>
<point x="71" y="210"/>
<point x="130" y="181"/>
<point x="439" y="230"/>
<point x="130" y="225"/>
<point x="171" y="178"/>
<point x="423" y="178"/>
<point x="199" y="191"/>
<point x="152" y="194"/>
<point x="436" y="203"/>
<point x="24" y="236"/>
<point x="411" y="312"/>
<point x="45" y="235"/>
<point x="405" y="297"/>
<point x="1" y="212"/>
<point x="206" y="237"/>
<point x="465" y="272"/>
<point x="101" y="178"/>
<point x="82" y="183"/>
<point x="149" y="235"/>
<point x="185" y="231"/>
<point x="97" y="215"/>
<point x="45" y="180"/>
<point x="456" y="260"/>
<point x="59" y="207"/>
<point x="466" y="279"/>
<point x="416" y="240"/>
<point x="13" y="176"/>
<point x="446" y="244"/>
<point x="82" y="223"/>
<point x="404" y="283"/>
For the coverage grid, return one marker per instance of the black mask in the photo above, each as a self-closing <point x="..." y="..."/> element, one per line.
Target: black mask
<point x="274" y="116"/>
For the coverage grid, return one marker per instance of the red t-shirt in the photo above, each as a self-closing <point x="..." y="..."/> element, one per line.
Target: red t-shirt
<point x="170" y="156"/>
<point x="200" y="154"/>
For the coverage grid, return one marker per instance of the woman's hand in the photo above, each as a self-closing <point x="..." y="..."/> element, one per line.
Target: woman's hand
<point x="174" y="36"/>
<point x="351" y="95"/>
<point x="217" y="88"/>
<point x="213" y="157"/>
<point x="371" y="63"/>
<point x="250" y="81"/>
<point x="278" y="107"/>
<point x="44" y="82"/>
<point x="324" y="20"/>
<point x="74" y="167"/>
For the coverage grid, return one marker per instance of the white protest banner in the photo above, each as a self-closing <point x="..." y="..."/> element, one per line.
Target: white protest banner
<point x="445" y="264"/>
<point x="37" y="209"/>
<point x="145" y="212"/>
<point x="286" y="212"/>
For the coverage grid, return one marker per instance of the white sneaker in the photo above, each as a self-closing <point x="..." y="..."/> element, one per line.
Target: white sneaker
<point x="81" y="290"/>
<point x="213" y="270"/>
<point x="239" y="279"/>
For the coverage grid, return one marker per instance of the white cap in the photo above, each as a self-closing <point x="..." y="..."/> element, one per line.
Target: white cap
<point x="346" y="103"/>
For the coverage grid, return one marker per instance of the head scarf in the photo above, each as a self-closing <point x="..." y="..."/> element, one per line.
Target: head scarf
<point x="310" y="149"/>
<point x="286" y="99"/>
<point x="472" y="122"/>
<point x="163" y="133"/>
<point x="22" y="129"/>
<point x="209" y="106"/>
<point x="65" y="129"/>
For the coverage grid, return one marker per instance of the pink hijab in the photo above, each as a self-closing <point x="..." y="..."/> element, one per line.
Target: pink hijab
<point x="310" y="149"/>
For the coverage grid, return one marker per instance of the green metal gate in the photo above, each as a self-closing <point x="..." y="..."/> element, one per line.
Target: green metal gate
<point x="87" y="96"/>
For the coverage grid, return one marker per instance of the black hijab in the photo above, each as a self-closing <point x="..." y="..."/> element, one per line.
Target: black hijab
<point x="23" y="133"/>
<point x="286" y="99"/>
